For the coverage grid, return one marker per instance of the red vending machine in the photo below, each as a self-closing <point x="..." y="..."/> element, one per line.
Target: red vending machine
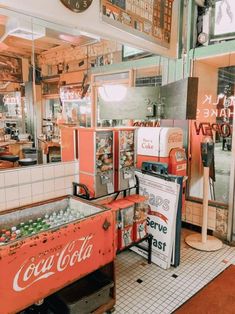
<point x="124" y="158"/>
<point x="96" y="162"/>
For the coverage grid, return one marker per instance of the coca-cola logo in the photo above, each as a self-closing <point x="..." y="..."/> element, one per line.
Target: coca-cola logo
<point x="33" y="269"/>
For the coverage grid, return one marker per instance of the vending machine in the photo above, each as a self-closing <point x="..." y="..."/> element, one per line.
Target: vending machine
<point x="96" y="161"/>
<point x="124" y="158"/>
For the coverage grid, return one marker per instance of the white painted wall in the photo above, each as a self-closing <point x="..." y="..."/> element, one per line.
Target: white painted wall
<point x="90" y="22"/>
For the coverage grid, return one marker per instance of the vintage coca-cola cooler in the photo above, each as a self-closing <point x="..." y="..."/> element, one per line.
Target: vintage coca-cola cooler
<point x="124" y="158"/>
<point x="46" y="246"/>
<point x="96" y="162"/>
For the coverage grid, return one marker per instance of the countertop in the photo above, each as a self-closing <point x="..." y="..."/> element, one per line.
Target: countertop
<point x="2" y="144"/>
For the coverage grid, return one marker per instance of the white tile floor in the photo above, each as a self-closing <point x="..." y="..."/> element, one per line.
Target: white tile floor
<point x="159" y="292"/>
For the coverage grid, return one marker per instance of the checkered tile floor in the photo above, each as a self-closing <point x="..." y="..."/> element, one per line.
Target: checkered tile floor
<point x="148" y="289"/>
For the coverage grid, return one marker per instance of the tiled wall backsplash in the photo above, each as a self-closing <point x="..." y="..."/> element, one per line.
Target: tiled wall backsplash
<point x="23" y="186"/>
<point x="217" y="218"/>
<point x="193" y="215"/>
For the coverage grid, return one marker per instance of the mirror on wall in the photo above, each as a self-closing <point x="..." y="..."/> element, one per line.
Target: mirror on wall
<point x="214" y="119"/>
<point x="44" y="84"/>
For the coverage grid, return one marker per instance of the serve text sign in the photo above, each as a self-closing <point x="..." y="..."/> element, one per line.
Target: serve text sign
<point x="163" y="201"/>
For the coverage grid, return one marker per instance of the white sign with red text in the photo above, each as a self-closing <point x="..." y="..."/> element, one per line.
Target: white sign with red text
<point x="161" y="221"/>
<point x="158" y="141"/>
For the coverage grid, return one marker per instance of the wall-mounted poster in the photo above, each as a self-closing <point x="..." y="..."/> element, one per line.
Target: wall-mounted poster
<point x="149" y="19"/>
<point x="10" y="69"/>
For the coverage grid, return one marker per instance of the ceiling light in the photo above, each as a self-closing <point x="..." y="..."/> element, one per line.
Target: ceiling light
<point x="111" y="93"/>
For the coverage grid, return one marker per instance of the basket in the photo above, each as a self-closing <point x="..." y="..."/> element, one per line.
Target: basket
<point x="84" y="296"/>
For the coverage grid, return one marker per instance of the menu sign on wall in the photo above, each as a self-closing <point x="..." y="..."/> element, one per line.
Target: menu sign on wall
<point x="150" y="19"/>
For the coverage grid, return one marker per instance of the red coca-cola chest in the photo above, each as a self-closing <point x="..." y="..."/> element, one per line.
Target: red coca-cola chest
<point x="66" y="239"/>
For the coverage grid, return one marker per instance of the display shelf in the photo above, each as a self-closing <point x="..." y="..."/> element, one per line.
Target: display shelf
<point x="148" y="249"/>
<point x="96" y="168"/>
<point x="137" y="243"/>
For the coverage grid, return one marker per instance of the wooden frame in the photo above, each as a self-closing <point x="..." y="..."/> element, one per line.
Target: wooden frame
<point x="150" y="20"/>
<point x="94" y="89"/>
<point x="10" y="69"/>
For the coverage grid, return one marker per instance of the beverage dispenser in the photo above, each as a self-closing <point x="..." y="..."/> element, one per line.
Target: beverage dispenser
<point x="96" y="162"/>
<point x="155" y="143"/>
<point x="124" y="158"/>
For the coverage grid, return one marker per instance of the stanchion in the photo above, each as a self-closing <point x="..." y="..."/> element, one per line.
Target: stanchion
<point x="203" y="241"/>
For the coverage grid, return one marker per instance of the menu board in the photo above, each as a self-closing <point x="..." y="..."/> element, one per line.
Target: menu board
<point x="149" y="19"/>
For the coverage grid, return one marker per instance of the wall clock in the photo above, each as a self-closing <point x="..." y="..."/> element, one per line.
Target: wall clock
<point x="77" y="5"/>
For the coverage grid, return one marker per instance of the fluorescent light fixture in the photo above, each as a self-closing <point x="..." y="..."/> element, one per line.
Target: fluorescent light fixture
<point x="112" y="93"/>
<point x="23" y="29"/>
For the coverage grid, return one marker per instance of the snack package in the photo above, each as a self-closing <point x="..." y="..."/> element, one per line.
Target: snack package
<point x="139" y="230"/>
<point x="125" y="237"/>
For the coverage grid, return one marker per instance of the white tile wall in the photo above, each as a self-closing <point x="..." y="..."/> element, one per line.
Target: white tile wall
<point x="194" y="215"/>
<point x="68" y="181"/>
<point x="23" y="186"/>
<point x="11" y="178"/>
<point x="36" y="174"/>
<point x="37" y="188"/>
<point x="24" y="176"/>
<point x="25" y="191"/>
<point x="12" y="204"/>
<point x="59" y="183"/>
<point x="48" y="172"/>
<point x="12" y="193"/>
<point x="48" y="186"/>
<point x="1" y="179"/>
<point x="2" y="195"/>
<point x="69" y="169"/>
<point x="25" y="201"/>
<point x="59" y="171"/>
<point x="2" y="206"/>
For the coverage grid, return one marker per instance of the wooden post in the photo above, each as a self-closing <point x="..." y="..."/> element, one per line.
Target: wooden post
<point x="205" y="204"/>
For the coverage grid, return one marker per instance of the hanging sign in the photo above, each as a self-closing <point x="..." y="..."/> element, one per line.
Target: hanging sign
<point x="161" y="221"/>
